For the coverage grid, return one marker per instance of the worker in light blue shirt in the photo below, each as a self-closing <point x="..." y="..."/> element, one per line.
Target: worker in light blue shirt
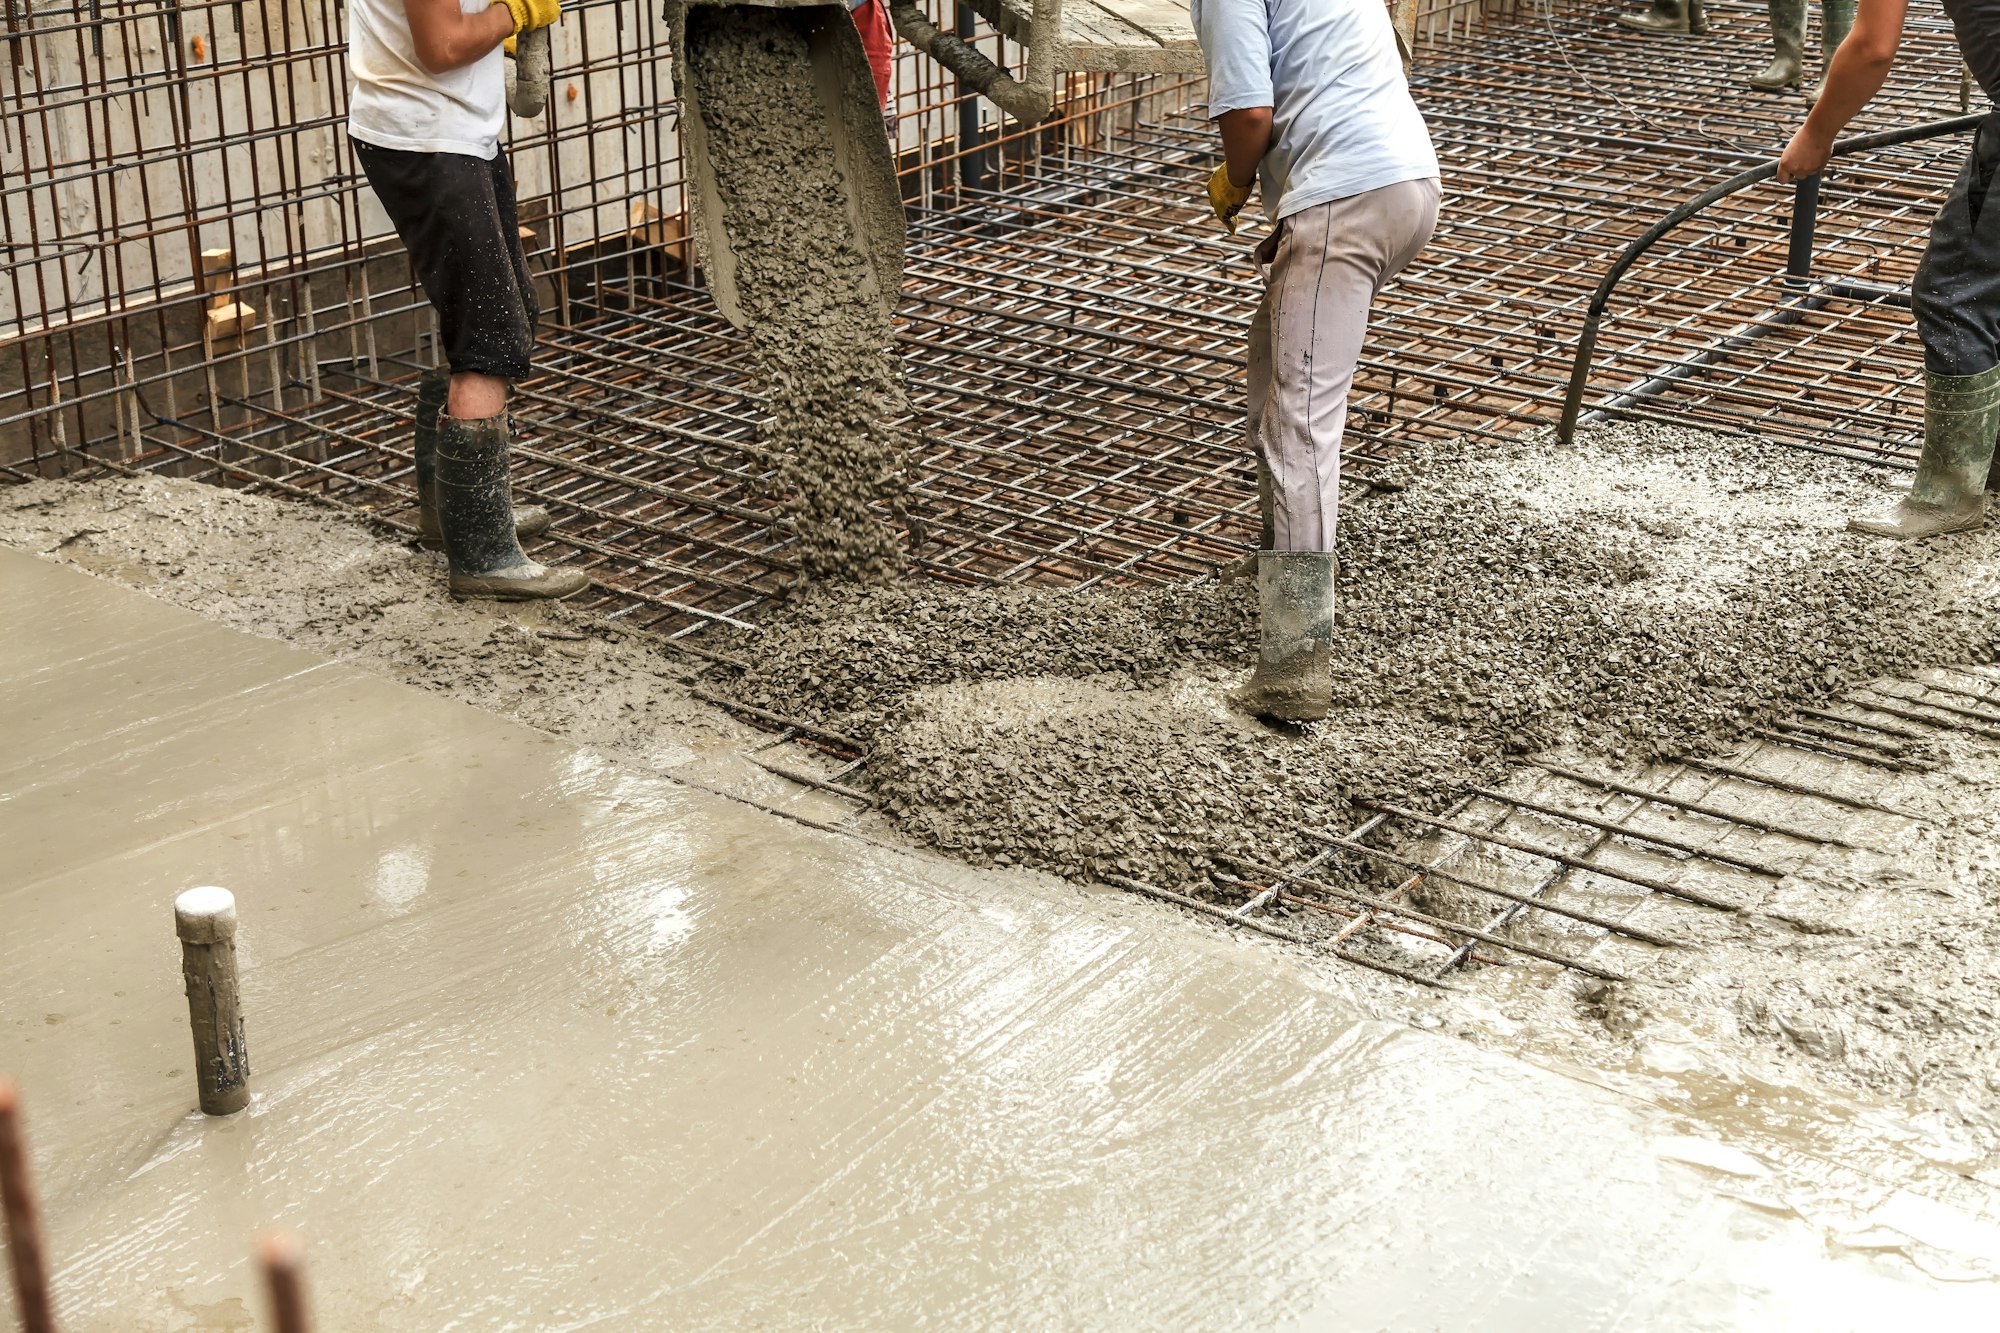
<point x="1314" y="109"/>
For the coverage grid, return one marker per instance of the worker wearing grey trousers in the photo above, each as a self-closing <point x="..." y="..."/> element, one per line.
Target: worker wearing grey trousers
<point x="1314" y="109"/>
<point x="1956" y="294"/>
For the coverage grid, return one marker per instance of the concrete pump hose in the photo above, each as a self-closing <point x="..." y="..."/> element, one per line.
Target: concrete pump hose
<point x="528" y="74"/>
<point x="1025" y="103"/>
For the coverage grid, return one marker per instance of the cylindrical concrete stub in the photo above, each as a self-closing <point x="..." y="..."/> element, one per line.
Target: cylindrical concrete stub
<point x="205" y="919"/>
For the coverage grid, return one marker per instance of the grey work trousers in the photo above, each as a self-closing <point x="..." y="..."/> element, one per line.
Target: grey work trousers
<point x="1322" y="268"/>
<point x="1956" y="294"/>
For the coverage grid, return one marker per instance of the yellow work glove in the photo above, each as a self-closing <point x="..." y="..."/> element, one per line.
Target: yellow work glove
<point x="532" y="14"/>
<point x="1226" y="197"/>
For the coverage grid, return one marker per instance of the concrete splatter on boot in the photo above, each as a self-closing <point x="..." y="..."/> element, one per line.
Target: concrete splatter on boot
<point x="1836" y="20"/>
<point x="1961" y="414"/>
<point x="1293" y="681"/>
<point x="1664" y="16"/>
<point x="1788" y="35"/>
<point x="477" y="520"/>
<point x="529" y="520"/>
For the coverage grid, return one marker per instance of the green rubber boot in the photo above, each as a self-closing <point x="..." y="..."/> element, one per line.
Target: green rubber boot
<point x="1788" y="35"/>
<point x="1961" y="416"/>
<point x="1836" y="20"/>
<point x="1293" y="681"/>
<point x="1664" y="16"/>
<point x="433" y="389"/>
<point x="477" y="521"/>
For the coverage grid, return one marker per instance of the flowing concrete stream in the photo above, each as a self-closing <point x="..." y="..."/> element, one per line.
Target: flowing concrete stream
<point x="540" y="1042"/>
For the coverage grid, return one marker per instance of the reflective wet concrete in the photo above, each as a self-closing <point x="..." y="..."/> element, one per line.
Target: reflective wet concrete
<point x="541" y="1044"/>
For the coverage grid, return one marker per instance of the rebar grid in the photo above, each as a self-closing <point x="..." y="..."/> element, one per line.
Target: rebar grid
<point x="1072" y="328"/>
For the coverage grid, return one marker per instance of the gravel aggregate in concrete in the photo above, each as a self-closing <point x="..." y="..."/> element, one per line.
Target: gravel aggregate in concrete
<point x="825" y="347"/>
<point x="1652" y="591"/>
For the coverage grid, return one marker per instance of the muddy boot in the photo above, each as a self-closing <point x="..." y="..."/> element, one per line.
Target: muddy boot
<point x="477" y="521"/>
<point x="1294" y="677"/>
<point x="1836" y="19"/>
<point x="1664" y="16"/>
<point x="432" y="390"/>
<point x="1267" y="528"/>
<point x="1961" y="414"/>
<point x="1788" y="35"/>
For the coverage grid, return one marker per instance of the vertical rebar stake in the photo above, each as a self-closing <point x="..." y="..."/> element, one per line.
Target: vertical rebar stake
<point x="24" y="1229"/>
<point x="205" y="919"/>
<point x="278" y="1253"/>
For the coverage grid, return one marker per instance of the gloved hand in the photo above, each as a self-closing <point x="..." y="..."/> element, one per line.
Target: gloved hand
<point x="532" y="14"/>
<point x="1226" y="197"/>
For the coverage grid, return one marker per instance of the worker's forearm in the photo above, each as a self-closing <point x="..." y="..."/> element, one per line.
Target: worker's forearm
<point x="1852" y="79"/>
<point x="446" y="39"/>
<point x="1246" y="137"/>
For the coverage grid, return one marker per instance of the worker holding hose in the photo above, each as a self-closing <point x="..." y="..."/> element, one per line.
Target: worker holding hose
<point x="425" y="118"/>
<point x="1956" y="293"/>
<point x="1313" y="108"/>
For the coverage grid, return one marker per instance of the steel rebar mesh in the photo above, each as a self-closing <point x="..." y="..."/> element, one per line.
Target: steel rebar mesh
<point x="1072" y="324"/>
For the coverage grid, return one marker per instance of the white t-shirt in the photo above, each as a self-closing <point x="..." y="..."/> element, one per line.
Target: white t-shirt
<point x="1342" y="121"/>
<point x="397" y="103"/>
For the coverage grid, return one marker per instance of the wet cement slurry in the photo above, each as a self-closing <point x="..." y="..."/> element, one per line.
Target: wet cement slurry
<point x="823" y="341"/>
<point x="543" y="1042"/>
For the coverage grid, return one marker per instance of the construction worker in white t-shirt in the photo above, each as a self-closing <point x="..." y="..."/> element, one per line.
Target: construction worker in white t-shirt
<point x="425" y="118"/>
<point x="1312" y="104"/>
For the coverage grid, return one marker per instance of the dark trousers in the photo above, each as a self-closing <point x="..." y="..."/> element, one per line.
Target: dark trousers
<point x="456" y="217"/>
<point x="1956" y="295"/>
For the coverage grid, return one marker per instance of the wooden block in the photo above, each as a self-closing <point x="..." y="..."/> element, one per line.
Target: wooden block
<point x="651" y="227"/>
<point x="231" y="319"/>
<point x="219" y="260"/>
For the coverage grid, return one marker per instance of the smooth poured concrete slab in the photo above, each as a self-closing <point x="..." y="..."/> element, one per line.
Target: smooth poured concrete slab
<point x="542" y="1044"/>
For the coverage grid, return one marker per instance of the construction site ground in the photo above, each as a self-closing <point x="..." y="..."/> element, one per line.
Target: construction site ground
<point x="544" y="1040"/>
<point x="706" y="953"/>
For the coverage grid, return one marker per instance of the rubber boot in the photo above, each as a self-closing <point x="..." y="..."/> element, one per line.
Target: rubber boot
<point x="432" y="390"/>
<point x="1788" y="35"/>
<point x="1836" y="20"/>
<point x="1293" y="681"/>
<point x="1267" y="527"/>
<point x="479" y="541"/>
<point x="1961" y="414"/>
<point x="1664" y="16"/>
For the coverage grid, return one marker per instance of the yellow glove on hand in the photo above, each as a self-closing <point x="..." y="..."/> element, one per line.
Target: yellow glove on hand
<point x="1226" y="197"/>
<point x="532" y="14"/>
<point x="509" y="45"/>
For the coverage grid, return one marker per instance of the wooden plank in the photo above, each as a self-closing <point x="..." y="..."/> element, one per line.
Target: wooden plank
<point x="1097" y="37"/>
<point x="1168" y="23"/>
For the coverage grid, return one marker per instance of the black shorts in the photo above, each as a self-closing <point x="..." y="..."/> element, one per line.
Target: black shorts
<point x="456" y="217"/>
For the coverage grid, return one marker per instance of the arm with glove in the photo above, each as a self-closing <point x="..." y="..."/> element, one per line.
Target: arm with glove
<point x="1236" y="45"/>
<point x="446" y="38"/>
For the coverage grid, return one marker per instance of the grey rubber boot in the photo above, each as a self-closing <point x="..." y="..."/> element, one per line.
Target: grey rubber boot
<point x="1293" y="681"/>
<point x="477" y="520"/>
<point x="1961" y="415"/>
<point x="1836" y="20"/>
<point x="1267" y="527"/>
<point x="1664" y="16"/>
<point x="1788" y="35"/>
<point x="432" y="390"/>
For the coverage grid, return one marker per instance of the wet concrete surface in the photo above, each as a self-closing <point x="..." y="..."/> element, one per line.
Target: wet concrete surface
<point x="542" y="1042"/>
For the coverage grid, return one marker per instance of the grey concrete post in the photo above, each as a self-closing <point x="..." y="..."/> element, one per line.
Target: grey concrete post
<point x="205" y="919"/>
